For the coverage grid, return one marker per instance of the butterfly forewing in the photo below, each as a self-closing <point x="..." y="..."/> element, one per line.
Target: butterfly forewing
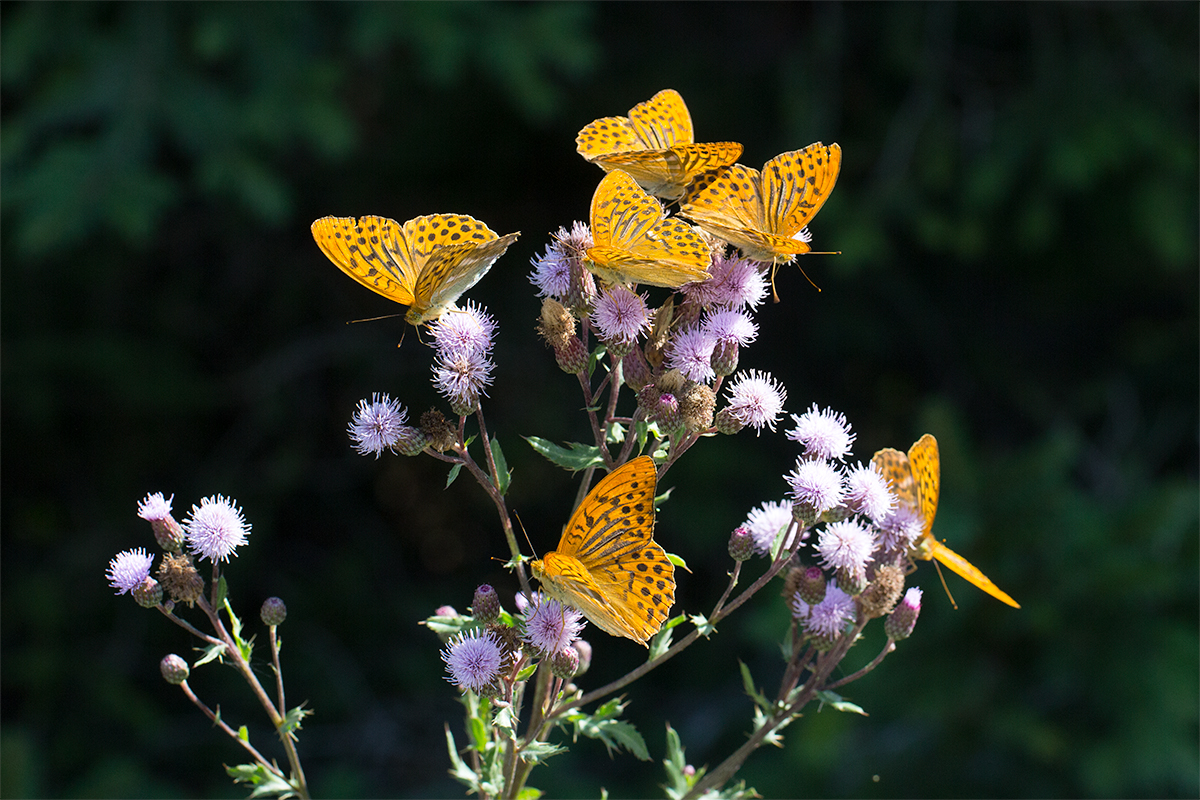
<point x="663" y="121"/>
<point x="795" y="186"/>
<point x="359" y="249"/>
<point x="926" y="467"/>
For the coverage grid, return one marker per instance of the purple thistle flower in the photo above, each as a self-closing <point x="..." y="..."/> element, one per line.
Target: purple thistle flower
<point x="473" y="660"/>
<point x="867" y="493"/>
<point x="730" y="326"/>
<point x="465" y="330"/>
<point x="154" y="507"/>
<point x="816" y="484"/>
<point x="824" y="434"/>
<point x="461" y="378"/>
<point x="846" y="546"/>
<point x="830" y="616"/>
<point x="215" y="528"/>
<point x="379" y="425"/>
<point x="765" y="522"/>
<point x="735" y="283"/>
<point x="621" y="315"/>
<point x="552" y="272"/>
<point x="551" y="626"/>
<point x="900" y="623"/>
<point x="691" y="353"/>
<point x="900" y="529"/>
<point x="756" y="399"/>
<point x="129" y="568"/>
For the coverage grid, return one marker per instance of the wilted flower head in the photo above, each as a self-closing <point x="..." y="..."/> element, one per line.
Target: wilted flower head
<point x="756" y="399"/>
<point x="379" y="425"/>
<point x="824" y="434"/>
<point x="154" y="507"/>
<point x="765" y="523"/>
<point x="465" y="330"/>
<point x="552" y="271"/>
<point x="129" y="568"/>
<point x="867" y="493"/>
<point x="215" y="528"/>
<point x="551" y="626"/>
<point x="473" y="660"/>
<point x="691" y="353"/>
<point x="816" y="484"/>
<point x="620" y="315"/>
<point x="846" y="546"/>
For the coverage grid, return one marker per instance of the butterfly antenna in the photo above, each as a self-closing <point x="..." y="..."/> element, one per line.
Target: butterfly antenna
<point x="525" y="533"/>
<point x="371" y="319"/>
<point x="942" y="577"/>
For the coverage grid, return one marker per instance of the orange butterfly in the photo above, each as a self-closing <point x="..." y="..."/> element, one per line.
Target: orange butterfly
<point x="427" y="263"/>
<point x="916" y="480"/>
<point x="607" y="563"/>
<point x="633" y="241"/>
<point x="764" y="214"/>
<point x="655" y="145"/>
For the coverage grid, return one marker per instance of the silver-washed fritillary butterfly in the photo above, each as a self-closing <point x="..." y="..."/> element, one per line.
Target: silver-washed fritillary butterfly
<point x="427" y="263"/>
<point x="633" y="241"/>
<point x="764" y="214"/>
<point x="916" y="479"/>
<point x="607" y="563"/>
<point x="654" y="144"/>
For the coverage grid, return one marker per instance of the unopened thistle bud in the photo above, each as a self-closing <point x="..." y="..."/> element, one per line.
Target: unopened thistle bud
<point x="572" y="356"/>
<point x="648" y="399"/>
<point x="696" y="405"/>
<point x="666" y="413"/>
<point x="156" y="510"/>
<point x="148" y="593"/>
<point x="835" y="514"/>
<point x="510" y="644"/>
<point x="804" y="513"/>
<point x="728" y="423"/>
<point x="635" y="371"/>
<point x="485" y="607"/>
<point x="853" y="581"/>
<point x="174" y="669"/>
<point x="565" y="663"/>
<point x="273" y="611"/>
<point x="180" y="579"/>
<point x="810" y="585"/>
<point x="879" y="597"/>
<point x="725" y="357"/>
<point x="442" y="435"/>
<point x="900" y="623"/>
<point x="741" y="545"/>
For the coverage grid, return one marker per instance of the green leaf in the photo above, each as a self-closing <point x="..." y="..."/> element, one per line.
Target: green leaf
<point x="212" y="651"/>
<point x="835" y="701"/>
<point x="457" y="468"/>
<point x="573" y="457"/>
<point x="458" y="768"/>
<point x="529" y="793"/>
<point x="222" y="594"/>
<point x="265" y="782"/>
<point x="448" y="626"/>
<point x="502" y="472"/>
<point x="677" y="561"/>
<point x="759" y="699"/>
<point x="479" y="733"/>
<point x="612" y="732"/>
<point x="678" y="783"/>
<point x="703" y="625"/>
<point x="615" y="433"/>
<point x="525" y="673"/>
<point x="293" y="718"/>
<point x="243" y="733"/>
<point x="537" y="752"/>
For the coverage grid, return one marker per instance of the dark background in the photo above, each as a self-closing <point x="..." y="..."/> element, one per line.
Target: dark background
<point x="1017" y="215"/>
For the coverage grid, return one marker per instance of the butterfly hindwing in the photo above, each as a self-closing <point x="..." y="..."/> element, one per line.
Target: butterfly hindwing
<point x="607" y="563"/>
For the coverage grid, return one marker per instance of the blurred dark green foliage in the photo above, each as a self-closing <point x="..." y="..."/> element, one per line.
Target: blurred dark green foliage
<point x="1017" y="215"/>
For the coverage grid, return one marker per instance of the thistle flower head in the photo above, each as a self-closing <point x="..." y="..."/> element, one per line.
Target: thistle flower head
<point x="154" y="507"/>
<point x="620" y="315"/>
<point x="735" y="283"/>
<point x="380" y="424"/>
<point x="824" y="434"/>
<point x="756" y="399"/>
<point x="846" y="546"/>
<point x="816" y="484"/>
<point x="215" y="528"/>
<point x="900" y="529"/>
<point x="551" y="626"/>
<point x="129" y="568"/>
<point x="867" y="493"/>
<point x="461" y="378"/>
<point x="552" y="272"/>
<point x="473" y="660"/>
<point x="465" y="330"/>
<point x="765" y="522"/>
<point x="727" y="325"/>
<point x="829" y="617"/>
<point x="691" y="353"/>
